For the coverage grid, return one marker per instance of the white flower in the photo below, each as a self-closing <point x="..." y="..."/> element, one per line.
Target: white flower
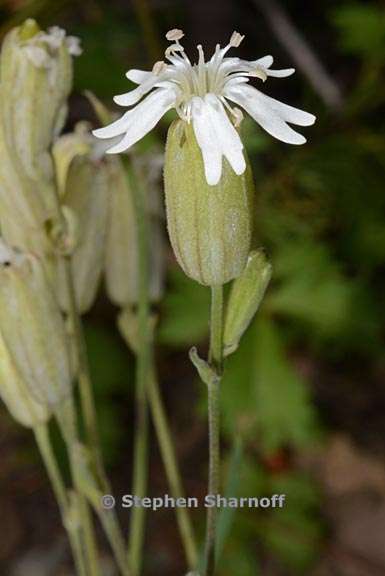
<point x="41" y="48"/>
<point x="200" y="93"/>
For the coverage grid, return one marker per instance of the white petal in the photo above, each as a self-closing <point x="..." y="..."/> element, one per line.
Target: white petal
<point x="207" y="141"/>
<point x="226" y="134"/>
<point x="138" y="76"/>
<point x="288" y="113"/>
<point x="270" y="114"/>
<point x="115" y="128"/>
<point x="284" y="73"/>
<point x="266" y="61"/>
<point x="140" y="120"/>
<point x="133" y="96"/>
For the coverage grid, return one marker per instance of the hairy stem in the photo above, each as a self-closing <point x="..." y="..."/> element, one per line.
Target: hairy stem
<point x="67" y="420"/>
<point x="44" y="444"/>
<point x="216" y="361"/>
<point x="88" y="409"/>
<point x="172" y="471"/>
<point x="139" y="483"/>
<point x="84" y="379"/>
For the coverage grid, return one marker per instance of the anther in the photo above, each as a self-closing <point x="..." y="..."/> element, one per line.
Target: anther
<point x="174" y="35"/>
<point x="158" y="67"/>
<point x="236" y="39"/>
<point x="201" y="54"/>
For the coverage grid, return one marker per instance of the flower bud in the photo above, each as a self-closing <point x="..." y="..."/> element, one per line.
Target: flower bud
<point x="86" y="197"/>
<point x="32" y="327"/>
<point x="36" y="77"/>
<point x="121" y="265"/>
<point x="245" y="297"/>
<point x="209" y="226"/>
<point x="67" y="148"/>
<point x="16" y="395"/>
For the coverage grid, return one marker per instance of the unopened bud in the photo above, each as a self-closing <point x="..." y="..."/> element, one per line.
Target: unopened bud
<point x="67" y="148"/>
<point x="121" y="267"/>
<point x="32" y="327"/>
<point x="36" y="78"/>
<point x="86" y="196"/>
<point x="245" y="297"/>
<point x="129" y="329"/>
<point x="16" y="395"/>
<point x="209" y="226"/>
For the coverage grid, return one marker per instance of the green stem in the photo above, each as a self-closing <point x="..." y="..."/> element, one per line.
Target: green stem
<point x="171" y="466"/>
<point x="216" y="360"/>
<point x="84" y="379"/>
<point x="66" y="418"/>
<point x="111" y="528"/>
<point x="83" y="375"/>
<point x="115" y="537"/>
<point x="216" y="328"/>
<point x="88" y="412"/>
<point x="137" y="525"/>
<point x="57" y="483"/>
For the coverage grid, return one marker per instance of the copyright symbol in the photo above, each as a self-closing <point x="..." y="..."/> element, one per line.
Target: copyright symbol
<point x="108" y="501"/>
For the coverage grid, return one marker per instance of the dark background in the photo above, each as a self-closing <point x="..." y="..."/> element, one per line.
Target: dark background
<point x="303" y="399"/>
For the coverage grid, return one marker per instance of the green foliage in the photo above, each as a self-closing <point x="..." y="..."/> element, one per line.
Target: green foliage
<point x="263" y="393"/>
<point x="362" y="28"/>
<point x="283" y="407"/>
<point x="185" y="313"/>
<point x="311" y="287"/>
<point x="294" y="532"/>
<point x="321" y="219"/>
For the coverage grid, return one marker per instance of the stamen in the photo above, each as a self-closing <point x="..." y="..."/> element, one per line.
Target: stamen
<point x="236" y="39"/>
<point x="238" y="116"/>
<point x="201" y="54"/>
<point x="235" y="112"/>
<point x="173" y="48"/>
<point x="174" y="35"/>
<point x="159" y="67"/>
<point x="201" y="71"/>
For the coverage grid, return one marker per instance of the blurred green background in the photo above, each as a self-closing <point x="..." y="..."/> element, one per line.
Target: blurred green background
<point x="303" y="399"/>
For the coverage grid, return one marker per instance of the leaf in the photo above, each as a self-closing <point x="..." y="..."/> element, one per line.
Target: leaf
<point x="261" y="392"/>
<point x="285" y="415"/>
<point x="294" y="532"/>
<point x="312" y="288"/>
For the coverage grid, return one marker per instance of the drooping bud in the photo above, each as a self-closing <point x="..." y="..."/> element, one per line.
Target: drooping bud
<point x="67" y="148"/>
<point x="32" y="327"/>
<point x="16" y="395"/>
<point x="245" y="298"/>
<point x="209" y="226"/>
<point x="86" y="189"/>
<point x="127" y="322"/>
<point x="36" y="78"/>
<point x="121" y="266"/>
